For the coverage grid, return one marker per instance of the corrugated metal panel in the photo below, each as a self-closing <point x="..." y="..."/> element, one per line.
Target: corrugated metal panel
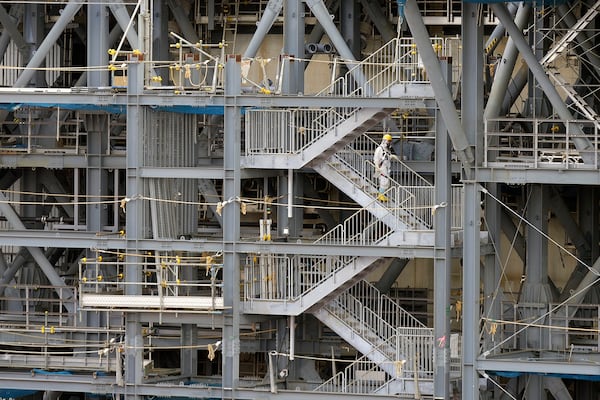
<point x="11" y="63"/>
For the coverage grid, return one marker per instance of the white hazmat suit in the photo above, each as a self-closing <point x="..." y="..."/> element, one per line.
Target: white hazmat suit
<point x="382" y="160"/>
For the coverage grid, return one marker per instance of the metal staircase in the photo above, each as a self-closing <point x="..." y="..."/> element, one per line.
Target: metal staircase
<point x="292" y="284"/>
<point x="293" y="138"/>
<point x="397" y="348"/>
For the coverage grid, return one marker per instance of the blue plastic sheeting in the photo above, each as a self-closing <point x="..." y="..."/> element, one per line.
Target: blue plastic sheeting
<point x="116" y="109"/>
<point x="44" y="372"/>
<point x="514" y="374"/>
<point x="15" y="393"/>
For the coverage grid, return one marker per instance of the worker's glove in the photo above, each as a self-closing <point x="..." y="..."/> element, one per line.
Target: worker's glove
<point x="377" y="172"/>
<point x="394" y="157"/>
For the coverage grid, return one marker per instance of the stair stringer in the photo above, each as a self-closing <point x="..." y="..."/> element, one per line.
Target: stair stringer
<point x="355" y="340"/>
<point x="340" y="280"/>
<point x="334" y="139"/>
<point x="412" y="228"/>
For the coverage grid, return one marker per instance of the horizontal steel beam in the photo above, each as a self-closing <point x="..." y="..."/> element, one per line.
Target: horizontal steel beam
<point x="548" y="176"/>
<point x="413" y="96"/>
<point x="538" y="366"/>
<point x="86" y="240"/>
<point x="107" y="385"/>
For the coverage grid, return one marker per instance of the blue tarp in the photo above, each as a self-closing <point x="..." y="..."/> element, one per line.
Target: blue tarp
<point x="515" y="374"/>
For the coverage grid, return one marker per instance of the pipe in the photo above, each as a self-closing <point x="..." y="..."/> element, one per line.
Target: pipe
<point x="439" y="85"/>
<point x="292" y="336"/>
<point x="270" y="14"/>
<point x="290" y="199"/>
<point x="505" y="68"/>
<point x="498" y="32"/>
<point x="581" y="143"/>
<point x="320" y="12"/>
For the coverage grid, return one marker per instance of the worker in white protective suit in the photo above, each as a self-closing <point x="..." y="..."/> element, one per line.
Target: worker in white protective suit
<point x="382" y="160"/>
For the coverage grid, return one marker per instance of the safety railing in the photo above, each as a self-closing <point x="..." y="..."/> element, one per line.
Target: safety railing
<point x="361" y="376"/>
<point x="541" y="143"/>
<point x="363" y="321"/>
<point x="30" y="306"/>
<point x="395" y="62"/>
<point x="288" y="278"/>
<point x="411" y="197"/>
<point x="362" y="228"/>
<point x="383" y="305"/>
<point x="562" y="328"/>
<point x="290" y="131"/>
<point x="162" y="281"/>
<point x="376" y="318"/>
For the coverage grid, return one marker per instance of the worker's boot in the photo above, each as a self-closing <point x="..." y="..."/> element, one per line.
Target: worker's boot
<point x="382" y="197"/>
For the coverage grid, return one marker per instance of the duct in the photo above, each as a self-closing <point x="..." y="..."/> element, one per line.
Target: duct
<point x="38" y="255"/>
<point x="40" y="55"/>
<point x="188" y="31"/>
<point x="506" y="67"/>
<point x="439" y="85"/>
<point x="271" y="12"/>
<point x="379" y="19"/>
<point x="10" y="25"/>
<point x="581" y="143"/>
<point x="122" y="16"/>
<point x="390" y="275"/>
<point x="498" y="32"/>
<point x="320" y="12"/>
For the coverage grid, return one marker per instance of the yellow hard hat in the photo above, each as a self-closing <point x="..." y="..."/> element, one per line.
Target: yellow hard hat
<point x="387" y="137"/>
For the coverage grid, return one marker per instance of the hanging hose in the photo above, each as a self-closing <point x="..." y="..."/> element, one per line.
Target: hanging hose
<point x="401" y="4"/>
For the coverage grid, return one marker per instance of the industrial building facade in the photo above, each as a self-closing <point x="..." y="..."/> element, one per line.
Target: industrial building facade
<point x="191" y="205"/>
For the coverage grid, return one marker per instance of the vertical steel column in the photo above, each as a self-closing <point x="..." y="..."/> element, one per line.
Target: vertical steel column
<point x="160" y="36"/>
<point x="135" y="225"/>
<point x="290" y="186"/>
<point x="536" y="293"/>
<point x="350" y="25"/>
<point x="472" y="114"/>
<point x="33" y="35"/>
<point x="293" y="78"/>
<point x="231" y="226"/>
<point x="442" y="262"/>
<point x="439" y="85"/>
